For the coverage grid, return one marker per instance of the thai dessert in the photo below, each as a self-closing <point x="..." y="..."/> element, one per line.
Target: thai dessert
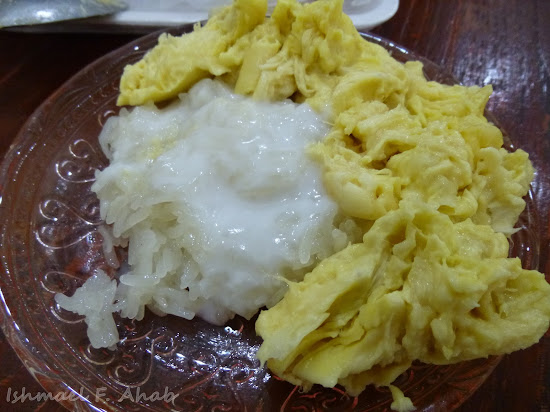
<point x="302" y="171"/>
<point x="219" y="205"/>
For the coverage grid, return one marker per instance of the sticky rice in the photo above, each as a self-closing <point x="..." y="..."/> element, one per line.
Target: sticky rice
<point x="219" y="203"/>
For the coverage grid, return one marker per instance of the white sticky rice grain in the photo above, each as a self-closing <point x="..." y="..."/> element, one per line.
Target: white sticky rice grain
<point x="94" y="300"/>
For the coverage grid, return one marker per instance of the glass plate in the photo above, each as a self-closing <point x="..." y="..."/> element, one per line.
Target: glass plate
<point x="50" y="243"/>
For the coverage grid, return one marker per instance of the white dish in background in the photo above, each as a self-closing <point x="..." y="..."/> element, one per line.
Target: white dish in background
<point x="142" y="15"/>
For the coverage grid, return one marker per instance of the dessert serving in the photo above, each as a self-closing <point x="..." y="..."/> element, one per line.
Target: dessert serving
<point x="285" y="170"/>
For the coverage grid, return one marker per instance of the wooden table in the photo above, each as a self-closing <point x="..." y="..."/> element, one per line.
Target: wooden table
<point x="502" y="42"/>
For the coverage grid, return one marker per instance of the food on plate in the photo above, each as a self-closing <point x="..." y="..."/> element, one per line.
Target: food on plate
<point x="177" y="63"/>
<point x="410" y="258"/>
<point x="419" y="287"/>
<point x="218" y="203"/>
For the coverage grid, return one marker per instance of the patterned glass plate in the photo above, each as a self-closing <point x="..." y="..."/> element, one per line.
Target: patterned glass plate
<point x="50" y="243"/>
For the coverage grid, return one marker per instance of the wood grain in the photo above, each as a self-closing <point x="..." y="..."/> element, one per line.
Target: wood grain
<point x="502" y="42"/>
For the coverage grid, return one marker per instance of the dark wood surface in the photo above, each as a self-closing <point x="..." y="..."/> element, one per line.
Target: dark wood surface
<point x="502" y="42"/>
